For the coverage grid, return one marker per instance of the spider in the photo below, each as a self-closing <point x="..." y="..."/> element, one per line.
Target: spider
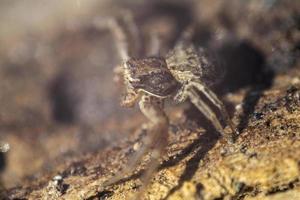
<point x="179" y="76"/>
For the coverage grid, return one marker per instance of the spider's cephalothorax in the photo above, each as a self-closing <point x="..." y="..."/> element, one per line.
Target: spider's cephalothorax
<point x="180" y="75"/>
<point x="150" y="75"/>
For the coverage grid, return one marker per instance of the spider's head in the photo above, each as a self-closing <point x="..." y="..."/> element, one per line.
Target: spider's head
<point x="150" y="75"/>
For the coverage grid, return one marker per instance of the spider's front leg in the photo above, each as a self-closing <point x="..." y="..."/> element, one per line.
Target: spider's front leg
<point x="122" y="37"/>
<point x="157" y="136"/>
<point x="129" y="100"/>
<point x="156" y="139"/>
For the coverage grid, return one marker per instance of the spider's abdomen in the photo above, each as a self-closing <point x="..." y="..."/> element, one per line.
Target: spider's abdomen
<point x="186" y="63"/>
<point x="152" y="76"/>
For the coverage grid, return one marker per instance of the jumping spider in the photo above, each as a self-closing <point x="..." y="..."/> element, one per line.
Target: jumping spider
<point x="178" y="76"/>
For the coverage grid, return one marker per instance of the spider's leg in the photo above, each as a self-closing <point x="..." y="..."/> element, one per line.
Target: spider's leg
<point x="188" y="91"/>
<point x="216" y="101"/>
<point x="157" y="129"/>
<point x="186" y="36"/>
<point x="134" y="33"/>
<point x="152" y="108"/>
<point x="121" y="41"/>
<point x="130" y="166"/>
<point x="181" y="95"/>
<point x="154" y="44"/>
<point x="159" y="149"/>
<point x="206" y="111"/>
<point x="118" y="74"/>
<point x="119" y="35"/>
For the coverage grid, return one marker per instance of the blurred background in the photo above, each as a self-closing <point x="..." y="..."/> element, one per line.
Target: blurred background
<point x="57" y="94"/>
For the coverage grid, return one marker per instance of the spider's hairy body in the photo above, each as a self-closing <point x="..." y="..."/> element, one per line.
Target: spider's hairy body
<point x="180" y="75"/>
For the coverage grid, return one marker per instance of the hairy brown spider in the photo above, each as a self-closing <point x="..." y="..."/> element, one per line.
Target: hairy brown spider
<point x="179" y="76"/>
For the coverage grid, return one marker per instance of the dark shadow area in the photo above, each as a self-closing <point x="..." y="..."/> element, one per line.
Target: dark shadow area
<point x="208" y="136"/>
<point x="245" y="67"/>
<point x="2" y="161"/>
<point x="201" y="146"/>
<point x="62" y="99"/>
<point x="250" y="101"/>
<point x="101" y="195"/>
